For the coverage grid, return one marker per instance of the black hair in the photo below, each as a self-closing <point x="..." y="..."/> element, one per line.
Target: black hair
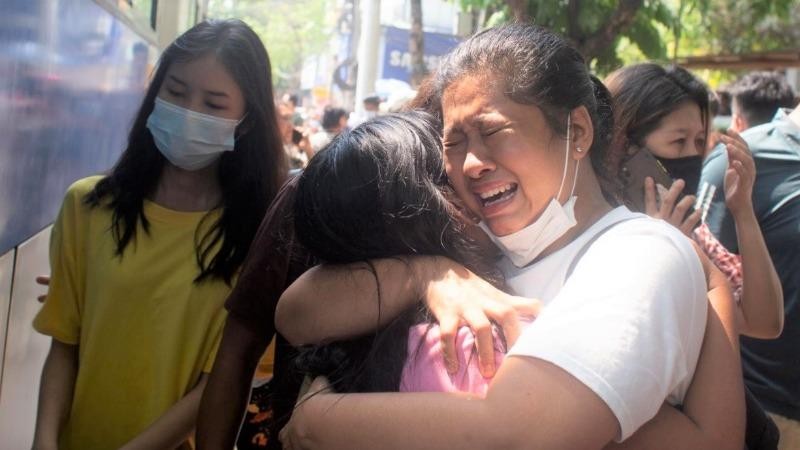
<point x="723" y="94"/>
<point x="713" y="104"/>
<point x="249" y="177"/>
<point x="643" y="95"/>
<point x="331" y="117"/>
<point x="758" y="95"/>
<point x="535" y="66"/>
<point x="373" y="99"/>
<point x="379" y="191"/>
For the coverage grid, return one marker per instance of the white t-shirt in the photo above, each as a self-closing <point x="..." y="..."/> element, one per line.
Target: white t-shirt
<point x="630" y="320"/>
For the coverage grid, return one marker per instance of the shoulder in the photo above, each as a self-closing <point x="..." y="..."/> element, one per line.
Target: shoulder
<point x="76" y="193"/>
<point x="80" y="188"/>
<point x="715" y="165"/>
<point x="755" y="135"/>
<point x="630" y="231"/>
<point x="643" y="251"/>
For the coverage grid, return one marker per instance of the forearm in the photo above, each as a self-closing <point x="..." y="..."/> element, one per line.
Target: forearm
<point x="174" y="426"/>
<point x="414" y="420"/>
<point x="338" y="302"/>
<point x="531" y="404"/>
<point x="762" y="295"/>
<point x="225" y="397"/>
<point x="55" y="393"/>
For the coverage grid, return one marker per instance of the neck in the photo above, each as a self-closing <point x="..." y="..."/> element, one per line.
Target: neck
<point x="182" y="190"/>
<point x="589" y="208"/>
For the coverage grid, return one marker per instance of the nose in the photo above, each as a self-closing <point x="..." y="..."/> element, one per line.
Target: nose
<point x="477" y="163"/>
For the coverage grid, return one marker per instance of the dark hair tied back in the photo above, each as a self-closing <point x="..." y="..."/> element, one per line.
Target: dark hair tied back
<point x="535" y="66"/>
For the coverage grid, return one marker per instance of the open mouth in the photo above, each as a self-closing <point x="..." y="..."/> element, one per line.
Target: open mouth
<point x="497" y="195"/>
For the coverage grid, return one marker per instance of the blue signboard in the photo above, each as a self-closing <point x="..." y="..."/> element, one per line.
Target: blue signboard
<point x="397" y="59"/>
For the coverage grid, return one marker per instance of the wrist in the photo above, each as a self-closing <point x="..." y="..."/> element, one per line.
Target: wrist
<point x="743" y="213"/>
<point x="424" y="271"/>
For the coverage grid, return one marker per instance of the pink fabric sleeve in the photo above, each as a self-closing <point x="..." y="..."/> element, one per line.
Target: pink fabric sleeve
<point x="424" y="370"/>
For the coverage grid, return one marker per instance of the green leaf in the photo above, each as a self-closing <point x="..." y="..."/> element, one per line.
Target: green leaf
<point x="646" y="36"/>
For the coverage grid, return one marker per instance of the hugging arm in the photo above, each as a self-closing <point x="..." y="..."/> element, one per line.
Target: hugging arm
<point x="352" y="306"/>
<point x="524" y="392"/>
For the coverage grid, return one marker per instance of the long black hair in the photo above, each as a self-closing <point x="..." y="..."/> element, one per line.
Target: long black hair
<point x="249" y="177"/>
<point x="379" y="191"/>
<point x="535" y="66"/>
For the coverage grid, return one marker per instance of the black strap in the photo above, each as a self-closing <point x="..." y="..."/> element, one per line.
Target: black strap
<point x="589" y="243"/>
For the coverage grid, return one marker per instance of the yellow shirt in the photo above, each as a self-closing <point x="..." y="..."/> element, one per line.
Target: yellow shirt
<point x="145" y="330"/>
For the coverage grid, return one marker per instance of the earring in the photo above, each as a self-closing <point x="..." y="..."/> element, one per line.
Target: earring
<point x="579" y="149"/>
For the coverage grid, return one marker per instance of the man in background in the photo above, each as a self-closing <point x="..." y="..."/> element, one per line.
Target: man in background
<point x="756" y="97"/>
<point x="771" y="367"/>
<point x="334" y="121"/>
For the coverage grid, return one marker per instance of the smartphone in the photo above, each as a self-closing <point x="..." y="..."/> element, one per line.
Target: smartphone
<point x="639" y="165"/>
<point x="297" y="136"/>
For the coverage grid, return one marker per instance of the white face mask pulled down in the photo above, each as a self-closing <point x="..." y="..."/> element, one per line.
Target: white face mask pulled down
<point x="523" y="246"/>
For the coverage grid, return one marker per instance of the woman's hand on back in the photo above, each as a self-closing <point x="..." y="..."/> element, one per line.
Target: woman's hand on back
<point x="458" y="297"/>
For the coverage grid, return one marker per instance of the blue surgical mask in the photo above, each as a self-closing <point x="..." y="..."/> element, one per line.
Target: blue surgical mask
<point x="188" y="139"/>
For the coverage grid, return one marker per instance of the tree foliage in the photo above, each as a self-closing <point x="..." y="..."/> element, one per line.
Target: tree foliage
<point x="605" y="30"/>
<point x="291" y="30"/>
<point x="736" y="27"/>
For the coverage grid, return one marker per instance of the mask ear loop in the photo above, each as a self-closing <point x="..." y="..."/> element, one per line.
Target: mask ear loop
<point x="566" y="163"/>
<point x="566" y="160"/>
<point x="575" y="177"/>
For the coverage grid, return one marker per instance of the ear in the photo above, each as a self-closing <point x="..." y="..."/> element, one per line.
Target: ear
<point x="582" y="133"/>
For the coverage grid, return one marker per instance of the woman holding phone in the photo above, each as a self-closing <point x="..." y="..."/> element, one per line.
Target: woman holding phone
<point x="662" y="112"/>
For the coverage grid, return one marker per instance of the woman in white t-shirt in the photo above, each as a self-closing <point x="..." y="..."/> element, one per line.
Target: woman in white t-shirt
<point x="625" y="296"/>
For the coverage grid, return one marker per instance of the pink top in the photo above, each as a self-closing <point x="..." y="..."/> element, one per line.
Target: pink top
<point x="424" y="370"/>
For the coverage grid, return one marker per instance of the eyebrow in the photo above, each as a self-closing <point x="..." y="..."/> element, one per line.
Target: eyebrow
<point x="480" y="121"/>
<point x="184" y="84"/>
<point x="177" y="80"/>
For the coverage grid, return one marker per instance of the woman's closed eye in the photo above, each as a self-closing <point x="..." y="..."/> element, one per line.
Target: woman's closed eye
<point x="214" y="106"/>
<point x="452" y="147"/>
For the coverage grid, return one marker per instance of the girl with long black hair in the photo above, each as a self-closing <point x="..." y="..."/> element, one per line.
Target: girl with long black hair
<point x="380" y="191"/>
<point x="143" y="258"/>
